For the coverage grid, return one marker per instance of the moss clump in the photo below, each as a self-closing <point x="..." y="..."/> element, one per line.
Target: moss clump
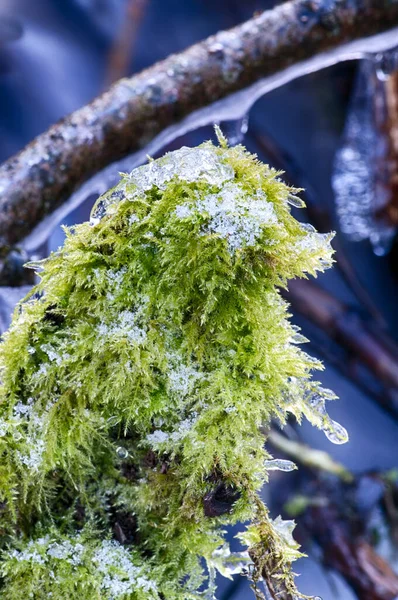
<point x="136" y="378"/>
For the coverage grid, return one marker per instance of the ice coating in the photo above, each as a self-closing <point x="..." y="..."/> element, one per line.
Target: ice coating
<point x="295" y="201"/>
<point x="229" y="563"/>
<point x="231" y="217"/>
<point x="187" y="164"/>
<point x="285" y="529"/>
<point x="279" y="464"/>
<point x="314" y="242"/>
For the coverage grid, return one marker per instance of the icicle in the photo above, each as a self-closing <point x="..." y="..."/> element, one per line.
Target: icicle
<point x="335" y="432"/>
<point x="311" y="398"/>
<point x="361" y="179"/>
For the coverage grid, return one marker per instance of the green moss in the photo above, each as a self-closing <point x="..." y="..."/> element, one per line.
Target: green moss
<point x="139" y="375"/>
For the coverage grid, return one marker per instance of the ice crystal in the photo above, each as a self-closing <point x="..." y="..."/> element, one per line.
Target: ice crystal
<point x="181" y="377"/>
<point x="3" y="427"/>
<point x="66" y="550"/>
<point x="34" y="456"/>
<point x="157" y="438"/>
<point x="233" y="216"/>
<point x="119" y="575"/>
<point x="127" y="325"/>
<point x="22" y="410"/>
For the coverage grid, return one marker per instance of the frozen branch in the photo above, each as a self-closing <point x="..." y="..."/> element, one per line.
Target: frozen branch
<point x="124" y="119"/>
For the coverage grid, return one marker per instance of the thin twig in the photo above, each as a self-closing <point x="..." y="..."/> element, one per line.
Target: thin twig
<point x="120" y="56"/>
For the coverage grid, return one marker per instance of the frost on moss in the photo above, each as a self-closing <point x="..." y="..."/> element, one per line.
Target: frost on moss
<point x="138" y="378"/>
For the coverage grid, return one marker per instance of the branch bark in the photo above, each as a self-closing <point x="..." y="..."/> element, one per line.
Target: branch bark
<point x="124" y="119"/>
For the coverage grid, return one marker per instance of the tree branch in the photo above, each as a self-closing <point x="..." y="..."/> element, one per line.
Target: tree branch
<point x="133" y="111"/>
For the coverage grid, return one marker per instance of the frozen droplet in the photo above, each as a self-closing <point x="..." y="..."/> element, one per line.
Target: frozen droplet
<point x="279" y="464"/>
<point x="336" y="433"/>
<point x="318" y="415"/>
<point x="295" y="201"/>
<point x="122" y="452"/>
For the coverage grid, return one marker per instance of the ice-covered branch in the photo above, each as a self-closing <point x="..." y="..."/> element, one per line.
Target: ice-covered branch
<point x="134" y="111"/>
